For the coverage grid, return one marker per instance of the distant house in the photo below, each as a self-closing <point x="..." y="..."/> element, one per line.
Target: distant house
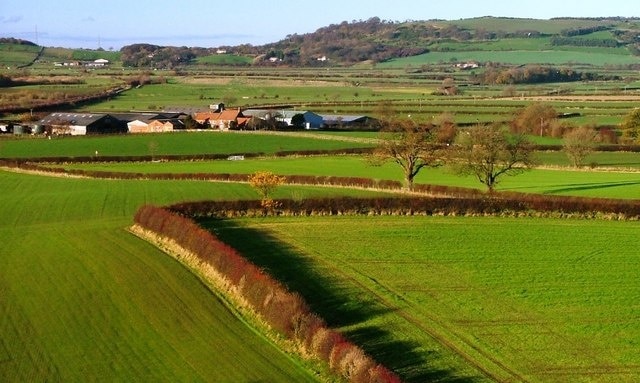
<point x="222" y="120"/>
<point x="98" y="63"/>
<point x="82" y="124"/>
<point x="138" y="126"/>
<point x="468" y="65"/>
<point x="153" y="123"/>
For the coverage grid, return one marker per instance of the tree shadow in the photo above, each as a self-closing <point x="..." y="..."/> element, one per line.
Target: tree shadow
<point x="408" y="359"/>
<point x="333" y="299"/>
<point x="328" y="297"/>
<point x="591" y="186"/>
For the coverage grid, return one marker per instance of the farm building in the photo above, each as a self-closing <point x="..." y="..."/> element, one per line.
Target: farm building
<point x="82" y="123"/>
<point x="223" y="120"/>
<point x="152" y="123"/>
<point x="301" y="118"/>
<point x="336" y="121"/>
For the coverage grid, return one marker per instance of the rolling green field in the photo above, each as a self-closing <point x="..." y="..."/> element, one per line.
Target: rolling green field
<point x="508" y="24"/>
<point x="443" y="299"/>
<point x="612" y="184"/>
<point x="13" y="55"/>
<point x="189" y="143"/>
<point x="521" y="57"/>
<point x="82" y="299"/>
<point x="536" y="300"/>
<point x="224" y="59"/>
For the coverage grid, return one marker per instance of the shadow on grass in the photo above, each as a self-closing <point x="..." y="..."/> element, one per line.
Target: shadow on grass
<point x="338" y="302"/>
<point x="405" y="358"/>
<point x="591" y="186"/>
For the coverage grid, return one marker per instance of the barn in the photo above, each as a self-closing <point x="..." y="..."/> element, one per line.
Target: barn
<point x="82" y="124"/>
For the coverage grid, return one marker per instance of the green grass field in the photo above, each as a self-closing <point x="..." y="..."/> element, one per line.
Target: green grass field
<point x="179" y="143"/>
<point x="508" y="24"/>
<point x="607" y="184"/>
<point x="82" y="299"/>
<point x="224" y="59"/>
<point x="13" y="55"/>
<point x="521" y="57"/>
<point x="536" y="300"/>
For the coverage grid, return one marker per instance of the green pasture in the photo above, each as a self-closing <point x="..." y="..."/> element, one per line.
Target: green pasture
<point x="81" y="299"/>
<point x="234" y="93"/>
<point x="512" y="25"/>
<point x="179" y="143"/>
<point x="90" y="55"/>
<point x="13" y="55"/>
<point x="567" y="181"/>
<point x="520" y="57"/>
<point x="536" y="300"/>
<point x="224" y="59"/>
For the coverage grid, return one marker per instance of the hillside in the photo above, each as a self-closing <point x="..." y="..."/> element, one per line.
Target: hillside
<point x="377" y="41"/>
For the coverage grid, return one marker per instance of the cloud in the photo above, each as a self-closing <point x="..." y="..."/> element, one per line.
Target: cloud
<point x="11" y="19"/>
<point x="88" y="19"/>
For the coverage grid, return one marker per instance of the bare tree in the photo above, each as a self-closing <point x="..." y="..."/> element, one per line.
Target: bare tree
<point x="411" y="146"/>
<point x="490" y="152"/>
<point x="447" y="130"/>
<point x="579" y="143"/>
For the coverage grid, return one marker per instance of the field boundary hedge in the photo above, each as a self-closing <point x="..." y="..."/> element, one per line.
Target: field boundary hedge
<point x="287" y="312"/>
<point x="497" y="204"/>
<point x="284" y="311"/>
<point x="439" y="199"/>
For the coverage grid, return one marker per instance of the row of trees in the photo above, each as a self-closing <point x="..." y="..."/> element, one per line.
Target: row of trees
<point x="532" y="74"/>
<point x="487" y="152"/>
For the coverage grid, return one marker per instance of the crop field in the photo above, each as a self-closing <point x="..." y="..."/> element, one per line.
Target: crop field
<point x="72" y="304"/>
<point x="536" y="300"/>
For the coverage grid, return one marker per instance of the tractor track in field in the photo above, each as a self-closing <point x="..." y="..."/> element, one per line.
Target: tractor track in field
<point x="458" y="342"/>
<point x="431" y="330"/>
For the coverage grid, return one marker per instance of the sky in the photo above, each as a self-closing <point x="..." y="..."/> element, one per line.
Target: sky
<point x="111" y="24"/>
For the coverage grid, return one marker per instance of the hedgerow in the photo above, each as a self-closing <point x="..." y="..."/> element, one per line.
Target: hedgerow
<point x="283" y="310"/>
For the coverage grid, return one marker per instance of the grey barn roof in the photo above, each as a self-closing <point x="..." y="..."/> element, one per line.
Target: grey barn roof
<point x="335" y="118"/>
<point x="78" y="119"/>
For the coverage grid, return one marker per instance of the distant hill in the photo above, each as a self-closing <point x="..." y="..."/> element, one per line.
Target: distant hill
<point x="11" y="40"/>
<point x="379" y="41"/>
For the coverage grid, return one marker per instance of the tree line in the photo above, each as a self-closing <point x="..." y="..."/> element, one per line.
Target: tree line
<point x="533" y="74"/>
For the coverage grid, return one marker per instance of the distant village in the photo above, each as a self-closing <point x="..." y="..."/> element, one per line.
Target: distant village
<point x="216" y="117"/>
